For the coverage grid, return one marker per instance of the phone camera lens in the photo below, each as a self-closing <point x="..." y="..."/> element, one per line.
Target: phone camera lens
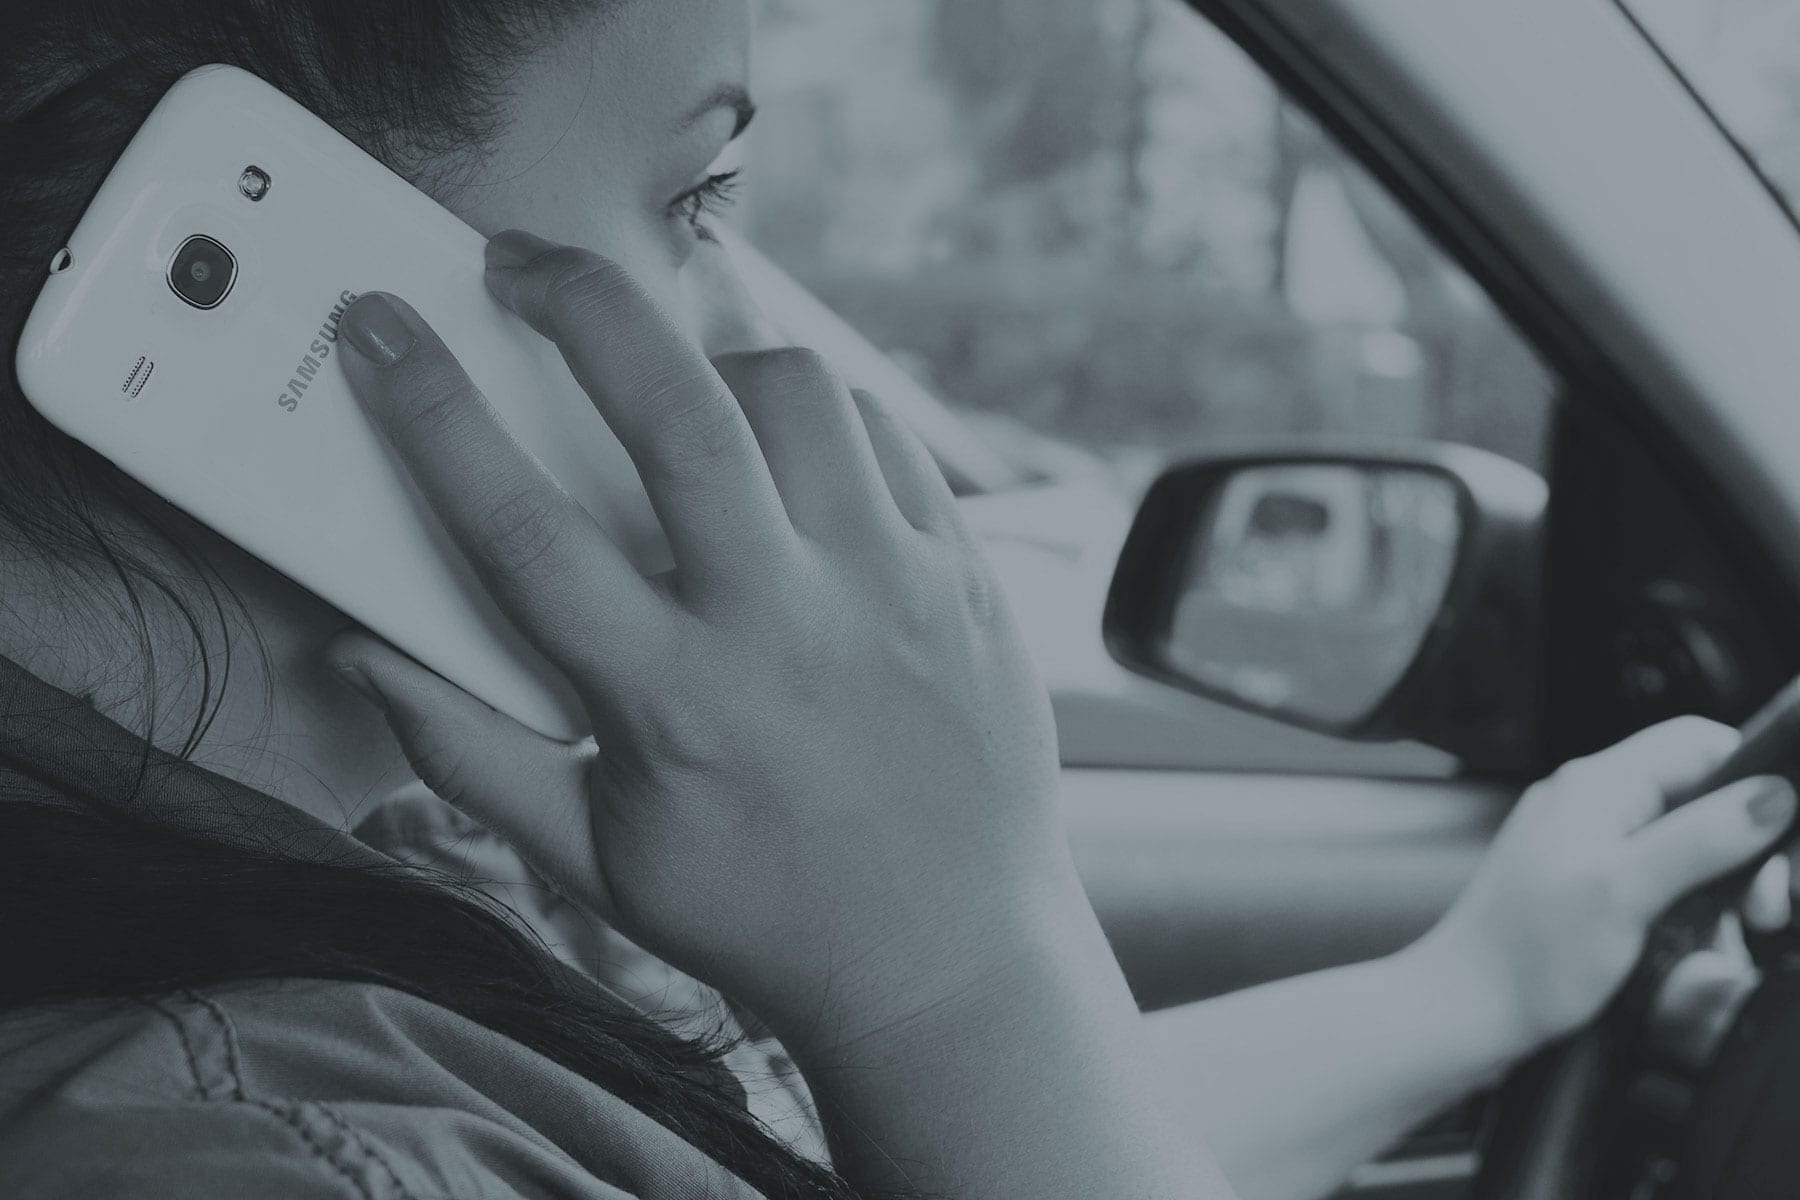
<point x="202" y="272"/>
<point x="254" y="183"/>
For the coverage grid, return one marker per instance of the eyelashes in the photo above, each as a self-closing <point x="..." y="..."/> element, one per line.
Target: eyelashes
<point x="711" y="198"/>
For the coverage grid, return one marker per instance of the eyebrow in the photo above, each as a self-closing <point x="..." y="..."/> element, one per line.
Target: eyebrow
<point x="729" y="96"/>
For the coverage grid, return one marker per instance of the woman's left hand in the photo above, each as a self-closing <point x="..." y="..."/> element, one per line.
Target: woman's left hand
<point x="1556" y="915"/>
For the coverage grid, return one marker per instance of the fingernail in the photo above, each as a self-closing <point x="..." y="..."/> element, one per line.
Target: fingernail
<point x="358" y="682"/>
<point x="374" y="326"/>
<point x="514" y="248"/>
<point x="1773" y="804"/>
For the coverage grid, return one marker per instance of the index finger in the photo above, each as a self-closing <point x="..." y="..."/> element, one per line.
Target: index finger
<point x="1637" y="779"/>
<point x="692" y="444"/>
<point x="552" y="570"/>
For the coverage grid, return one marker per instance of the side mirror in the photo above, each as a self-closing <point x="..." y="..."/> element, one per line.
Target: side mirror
<point x="1375" y="596"/>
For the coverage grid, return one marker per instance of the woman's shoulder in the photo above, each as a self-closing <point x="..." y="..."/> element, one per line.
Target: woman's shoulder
<point x="312" y="1088"/>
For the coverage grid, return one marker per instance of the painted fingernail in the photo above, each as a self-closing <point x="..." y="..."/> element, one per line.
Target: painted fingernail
<point x="514" y="248"/>
<point x="374" y="326"/>
<point x="1773" y="804"/>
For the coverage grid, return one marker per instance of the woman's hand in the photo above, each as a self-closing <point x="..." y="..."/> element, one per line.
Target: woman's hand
<point x="1557" y="913"/>
<point x="826" y="772"/>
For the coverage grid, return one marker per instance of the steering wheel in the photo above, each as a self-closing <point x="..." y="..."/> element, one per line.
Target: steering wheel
<point x="1559" y="1129"/>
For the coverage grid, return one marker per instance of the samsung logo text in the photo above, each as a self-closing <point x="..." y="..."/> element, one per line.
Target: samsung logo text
<point x="316" y="355"/>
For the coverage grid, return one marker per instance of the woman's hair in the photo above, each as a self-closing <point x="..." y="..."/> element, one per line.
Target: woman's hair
<point x="98" y="904"/>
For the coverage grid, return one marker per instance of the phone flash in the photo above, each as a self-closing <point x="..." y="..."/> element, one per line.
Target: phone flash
<point x="254" y="183"/>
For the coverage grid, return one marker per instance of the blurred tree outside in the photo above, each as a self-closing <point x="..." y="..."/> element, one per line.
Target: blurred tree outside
<point x="1096" y="222"/>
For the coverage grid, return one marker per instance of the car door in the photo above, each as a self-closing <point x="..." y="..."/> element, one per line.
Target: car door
<point x="1104" y="236"/>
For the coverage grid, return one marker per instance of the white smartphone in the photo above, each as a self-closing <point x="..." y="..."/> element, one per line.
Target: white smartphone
<point x="188" y="333"/>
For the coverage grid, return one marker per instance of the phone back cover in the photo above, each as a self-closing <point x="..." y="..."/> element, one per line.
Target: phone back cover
<point x="189" y="401"/>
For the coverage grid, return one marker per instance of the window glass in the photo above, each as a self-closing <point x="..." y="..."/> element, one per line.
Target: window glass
<point x="1743" y="57"/>
<point x="1094" y="230"/>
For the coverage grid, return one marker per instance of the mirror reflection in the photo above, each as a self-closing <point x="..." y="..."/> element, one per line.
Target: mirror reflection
<point x="1310" y="587"/>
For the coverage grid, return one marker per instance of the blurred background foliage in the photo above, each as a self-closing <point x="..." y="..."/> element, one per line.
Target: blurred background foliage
<point x="1095" y="229"/>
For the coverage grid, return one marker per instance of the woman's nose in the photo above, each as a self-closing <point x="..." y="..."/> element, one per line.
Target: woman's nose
<point x="724" y="314"/>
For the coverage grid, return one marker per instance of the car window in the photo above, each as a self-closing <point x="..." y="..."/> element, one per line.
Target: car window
<point x="1095" y="230"/>
<point x="1743" y="57"/>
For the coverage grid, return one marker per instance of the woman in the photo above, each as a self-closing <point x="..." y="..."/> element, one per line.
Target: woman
<point x="825" y="774"/>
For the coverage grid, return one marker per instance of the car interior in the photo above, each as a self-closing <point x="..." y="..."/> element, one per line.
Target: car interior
<point x="1560" y="421"/>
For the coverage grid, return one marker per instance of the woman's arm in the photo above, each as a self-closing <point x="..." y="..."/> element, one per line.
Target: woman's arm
<point x="1295" y="1083"/>
<point x="1036" y="1083"/>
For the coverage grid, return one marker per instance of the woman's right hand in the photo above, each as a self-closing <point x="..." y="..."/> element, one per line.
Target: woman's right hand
<point x="826" y="772"/>
<point x="1588" y="861"/>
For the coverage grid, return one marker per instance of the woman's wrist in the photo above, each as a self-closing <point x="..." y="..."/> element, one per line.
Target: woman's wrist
<point x="929" y="999"/>
<point x="1034" y="1077"/>
<point x="1462" y="987"/>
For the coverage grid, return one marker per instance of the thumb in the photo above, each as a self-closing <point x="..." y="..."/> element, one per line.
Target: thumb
<point x="1703" y="840"/>
<point x="1768" y="904"/>
<point x="529" y="789"/>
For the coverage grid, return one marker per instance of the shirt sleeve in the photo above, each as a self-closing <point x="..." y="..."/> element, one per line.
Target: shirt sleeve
<point x="291" y="1150"/>
<point x="325" y="1094"/>
<point x="152" y="1152"/>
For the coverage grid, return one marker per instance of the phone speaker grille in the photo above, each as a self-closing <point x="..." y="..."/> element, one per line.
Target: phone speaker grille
<point x="137" y="377"/>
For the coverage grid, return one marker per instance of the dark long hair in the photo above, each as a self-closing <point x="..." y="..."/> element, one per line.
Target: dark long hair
<point x="99" y="903"/>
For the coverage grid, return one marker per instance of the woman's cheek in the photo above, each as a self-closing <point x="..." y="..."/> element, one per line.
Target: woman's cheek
<point x="648" y="247"/>
<point x="719" y="308"/>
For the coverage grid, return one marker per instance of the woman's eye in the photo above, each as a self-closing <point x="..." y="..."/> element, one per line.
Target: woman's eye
<point x="708" y="199"/>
